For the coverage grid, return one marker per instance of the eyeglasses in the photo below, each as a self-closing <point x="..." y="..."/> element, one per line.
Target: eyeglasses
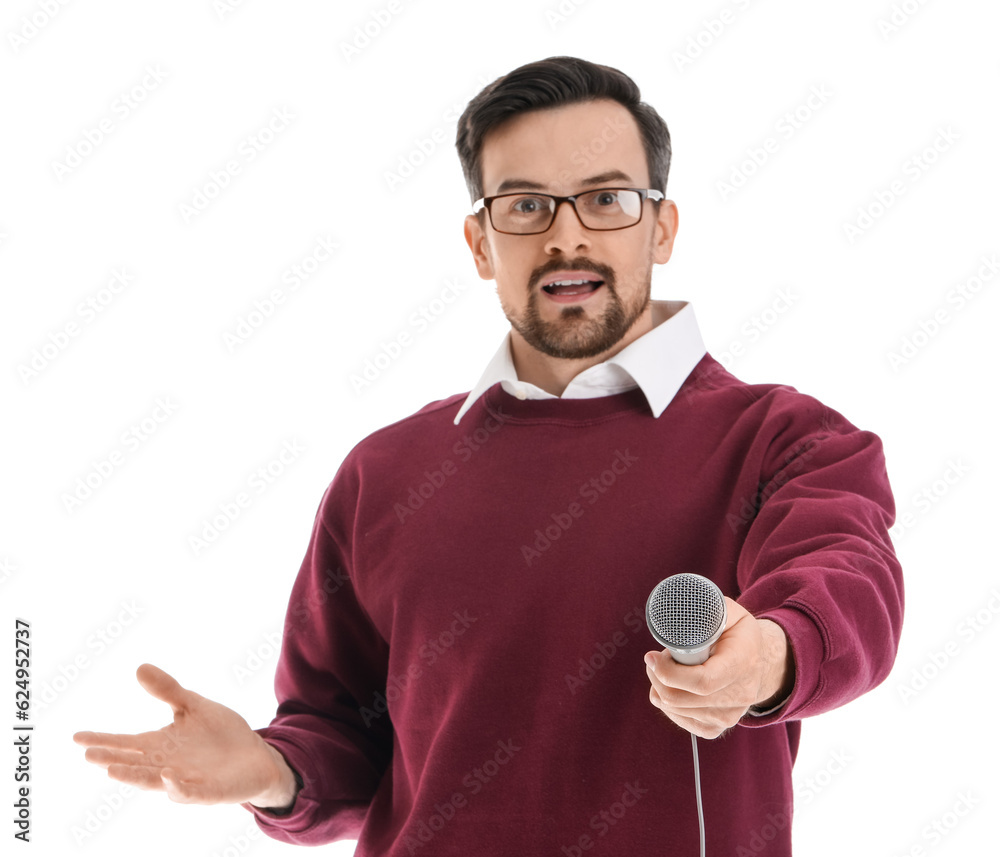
<point x="604" y="209"/>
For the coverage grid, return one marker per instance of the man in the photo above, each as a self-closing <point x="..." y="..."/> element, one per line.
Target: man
<point x="465" y="664"/>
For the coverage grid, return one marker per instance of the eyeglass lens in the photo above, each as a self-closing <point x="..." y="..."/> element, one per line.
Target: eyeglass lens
<point x="525" y="213"/>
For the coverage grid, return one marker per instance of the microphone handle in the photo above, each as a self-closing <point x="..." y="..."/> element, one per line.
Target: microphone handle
<point x="691" y="657"/>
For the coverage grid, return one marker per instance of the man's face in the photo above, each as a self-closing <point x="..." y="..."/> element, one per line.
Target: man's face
<point x="564" y="151"/>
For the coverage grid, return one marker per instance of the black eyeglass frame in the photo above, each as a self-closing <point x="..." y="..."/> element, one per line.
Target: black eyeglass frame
<point x="644" y="194"/>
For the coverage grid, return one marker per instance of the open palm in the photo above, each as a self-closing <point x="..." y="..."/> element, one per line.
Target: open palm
<point x="208" y="755"/>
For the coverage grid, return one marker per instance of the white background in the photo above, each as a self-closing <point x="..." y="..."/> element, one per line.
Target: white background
<point x="873" y="777"/>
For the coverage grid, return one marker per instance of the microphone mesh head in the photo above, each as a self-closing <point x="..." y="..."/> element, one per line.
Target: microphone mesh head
<point x="685" y="610"/>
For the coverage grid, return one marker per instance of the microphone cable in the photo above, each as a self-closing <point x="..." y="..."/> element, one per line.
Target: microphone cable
<point x="697" y="791"/>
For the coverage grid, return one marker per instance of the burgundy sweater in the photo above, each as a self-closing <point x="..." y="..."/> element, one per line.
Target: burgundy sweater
<point x="462" y="667"/>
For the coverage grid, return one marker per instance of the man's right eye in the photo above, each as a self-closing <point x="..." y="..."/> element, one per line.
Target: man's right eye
<point x="528" y="205"/>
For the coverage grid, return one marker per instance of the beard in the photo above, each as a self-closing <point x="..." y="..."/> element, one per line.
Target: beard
<point x="577" y="333"/>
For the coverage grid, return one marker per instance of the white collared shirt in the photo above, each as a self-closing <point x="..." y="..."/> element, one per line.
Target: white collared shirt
<point x="658" y="362"/>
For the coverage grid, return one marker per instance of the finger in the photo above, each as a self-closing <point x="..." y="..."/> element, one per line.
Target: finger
<point x="163" y="686"/>
<point x="681" y="720"/>
<point x="696" y="727"/>
<point x="728" y="698"/>
<point x="672" y="697"/>
<point x="715" y="717"/>
<point x="142" y="776"/>
<point x="699" y="679"/>
<point x="108" y="739"/>
<point x="734" y="612"/>
<point x="149" y="743"/>
<point x="706" y="725"/>
<point x="104" y="757"/>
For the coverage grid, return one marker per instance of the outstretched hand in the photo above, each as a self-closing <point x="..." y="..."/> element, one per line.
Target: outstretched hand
<point x="208" y="755"/>
<point x="751" y="664"/>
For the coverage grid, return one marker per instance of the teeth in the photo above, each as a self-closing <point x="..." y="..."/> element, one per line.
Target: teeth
<point x="571" y="282"/>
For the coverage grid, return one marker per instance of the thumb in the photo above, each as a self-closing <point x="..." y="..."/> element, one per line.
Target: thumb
<point x="734" y="612"/>
<point x="163" y="686"/>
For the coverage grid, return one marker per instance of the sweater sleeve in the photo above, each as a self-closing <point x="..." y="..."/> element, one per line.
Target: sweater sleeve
<point x="817" y="558"/>
<point x="332" y="663"/>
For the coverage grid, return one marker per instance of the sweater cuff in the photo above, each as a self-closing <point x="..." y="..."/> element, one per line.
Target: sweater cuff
<point x="757" y="711"/>
<point x="302" y="812"/>
<point x="281" y="812"/>
<point x="805" y="644"/>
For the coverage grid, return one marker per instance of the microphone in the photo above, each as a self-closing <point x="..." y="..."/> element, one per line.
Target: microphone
<point x="686" y="614"/>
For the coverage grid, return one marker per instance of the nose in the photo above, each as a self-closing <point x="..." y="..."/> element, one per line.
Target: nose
<point x="567" y="232"/>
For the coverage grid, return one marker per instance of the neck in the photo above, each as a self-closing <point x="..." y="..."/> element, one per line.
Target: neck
<point x="553" y="374"/>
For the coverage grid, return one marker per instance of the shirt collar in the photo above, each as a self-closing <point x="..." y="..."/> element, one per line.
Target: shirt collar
<point x="658" y="362"/>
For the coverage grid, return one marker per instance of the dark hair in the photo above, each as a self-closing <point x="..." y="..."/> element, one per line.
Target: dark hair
<point x="554" y="82"/>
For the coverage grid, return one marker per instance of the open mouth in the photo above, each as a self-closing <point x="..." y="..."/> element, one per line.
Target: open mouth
<point x="572" y="288"/>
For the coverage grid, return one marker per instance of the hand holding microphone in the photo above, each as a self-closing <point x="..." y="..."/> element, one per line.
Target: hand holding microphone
<point x="750" y="661"/>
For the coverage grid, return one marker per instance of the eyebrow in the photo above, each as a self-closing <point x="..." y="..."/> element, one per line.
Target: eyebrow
<point x="602" y="178"/>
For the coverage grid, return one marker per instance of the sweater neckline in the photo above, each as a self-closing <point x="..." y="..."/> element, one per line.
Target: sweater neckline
<point x="504" y="406"/>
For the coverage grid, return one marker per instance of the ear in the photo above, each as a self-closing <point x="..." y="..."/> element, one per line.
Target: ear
<point x="665" y="231"/>
<point x="480" y="247"/>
